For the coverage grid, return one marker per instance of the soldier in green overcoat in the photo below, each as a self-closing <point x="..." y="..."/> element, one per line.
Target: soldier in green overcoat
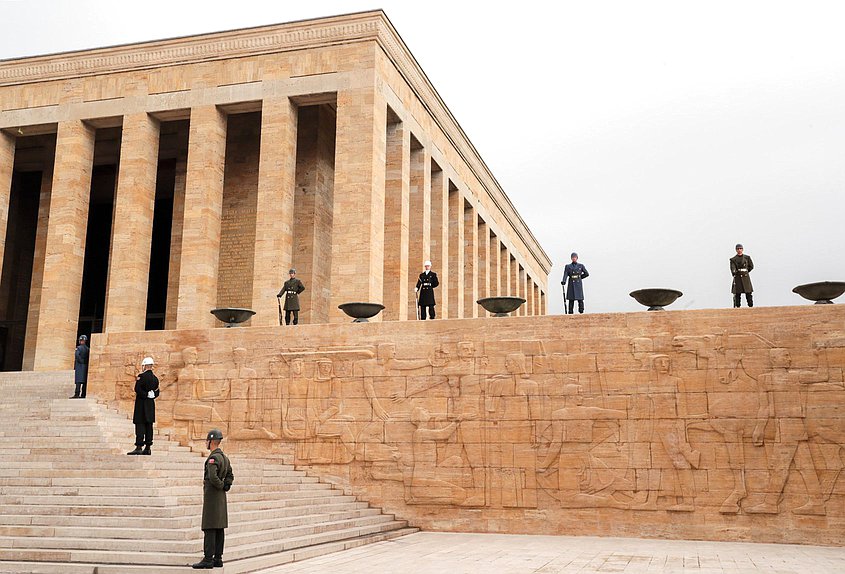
<point x="291" y="290"/>
<point x="217" y="480"/>
<point x="741" y="266"/>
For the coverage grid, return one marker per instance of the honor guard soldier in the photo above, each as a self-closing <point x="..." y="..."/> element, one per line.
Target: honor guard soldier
<point x="425" y="290"/>
<point x="80" y="368"/>
<point x="216" y="482"/>
<point x="573" y="274"/>
<point x="144" y="415"/>
<point x="291" y="290"/>
<point x="741" y="266"/>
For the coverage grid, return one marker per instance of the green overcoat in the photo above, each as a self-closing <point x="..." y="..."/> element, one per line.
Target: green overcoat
<point x="218" y="478"/>
<point x="741" y="266"/>
<point x="291" y="290"/>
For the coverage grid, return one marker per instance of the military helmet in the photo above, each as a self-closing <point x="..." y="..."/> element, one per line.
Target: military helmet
<point x="83" y="337"/>
<point x="214" y="434"/>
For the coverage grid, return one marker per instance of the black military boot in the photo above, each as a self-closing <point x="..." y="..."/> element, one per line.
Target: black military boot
<point x="749" y="298"/>
<point x="218" y="563"/>
<point x="204" y="564"/>
<point x="137" y="450"/>
<point x="146" y="450"/>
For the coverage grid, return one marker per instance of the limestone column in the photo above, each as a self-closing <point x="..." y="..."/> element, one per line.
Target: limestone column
<point x="543" y="308"/>
<point x="396" y="214"/>
<point x="419" y="243"/>
<point x="456" y="254"/>
<point x="505" y="271"/>
<point x="514" y="276"/>
<point x="65" y="247"/>
<point x="495" y="264"/>
<point x="274" y="207"/>
<point x="132" y="235"/>
<point x="440" y="237"/>
<point x="483" y="261"/>
<point x="31" y="340"/>
<point x="523" y="292"/>
<point x="7" y="167"/>
<point x="358" y="218"/>
<point x="470" y="261"/>
<point x="200" y="254"/>
<point x="529" y="295"/>
<point x="174" y="268"/>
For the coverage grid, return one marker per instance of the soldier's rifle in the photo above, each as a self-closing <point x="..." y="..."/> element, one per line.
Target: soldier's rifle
<point x="563" y="288"/>
<point x="281" y="317"/>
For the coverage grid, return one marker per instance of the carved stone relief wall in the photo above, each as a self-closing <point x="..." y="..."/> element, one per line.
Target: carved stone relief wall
<point x="703" y="424"/>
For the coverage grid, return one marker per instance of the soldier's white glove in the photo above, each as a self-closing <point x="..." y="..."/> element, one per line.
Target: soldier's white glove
<point x="151" y="395"/>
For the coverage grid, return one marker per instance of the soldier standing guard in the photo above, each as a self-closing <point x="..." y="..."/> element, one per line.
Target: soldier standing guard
<point x="425" y="287"/>
<point x="80" y="368"/>
<point x="291" y="290"/>
<point x="741" y="266"/>
<point x="144" y="415"/>
<point x="573" y="273"/>
<point x="216" y="482"/>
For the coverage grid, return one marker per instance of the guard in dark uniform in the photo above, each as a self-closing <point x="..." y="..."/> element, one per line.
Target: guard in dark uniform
<point x="741" y="266"/>
<point x="573" y="274"/>
<point x="80" y="368"/>
<point x="144" y="415"/>
<point x="291" y="290"/>
<point x="216" y="482"/>
<point x="425" y="288"/>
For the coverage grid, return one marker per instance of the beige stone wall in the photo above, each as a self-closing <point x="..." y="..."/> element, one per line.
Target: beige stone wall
<point x="716" y="424"/>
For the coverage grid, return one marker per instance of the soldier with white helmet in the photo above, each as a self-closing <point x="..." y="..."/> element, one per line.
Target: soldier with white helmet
<point x="146" y="392"/>
<point x="425" y="288"/>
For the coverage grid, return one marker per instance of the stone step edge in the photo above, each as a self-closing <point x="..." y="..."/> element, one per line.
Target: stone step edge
<point x="265" y="564"/>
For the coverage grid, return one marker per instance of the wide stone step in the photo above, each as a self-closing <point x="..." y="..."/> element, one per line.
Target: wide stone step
<point x="190" y="520"/>
<point x="150" y="554"/>
<point x="158" y="488"/>
<point x="90" y="541"/>
<point x="181" y="530"/>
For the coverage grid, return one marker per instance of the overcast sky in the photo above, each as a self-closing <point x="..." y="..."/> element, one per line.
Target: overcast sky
<point x="650" y="137"/>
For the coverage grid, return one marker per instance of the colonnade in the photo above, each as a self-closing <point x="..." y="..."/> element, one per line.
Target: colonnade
<point x="395" y="202"/>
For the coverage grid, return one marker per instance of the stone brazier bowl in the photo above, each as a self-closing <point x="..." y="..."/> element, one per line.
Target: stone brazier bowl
<point x="361" y="312"/>
<point x="501" y="306"/>
<point x="655" y="299"/>
<point x="822" y="292"/>
<point x="232" y="316"/>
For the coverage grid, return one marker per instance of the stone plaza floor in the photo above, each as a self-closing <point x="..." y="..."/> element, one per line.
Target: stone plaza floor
<point x="450" y="553"/>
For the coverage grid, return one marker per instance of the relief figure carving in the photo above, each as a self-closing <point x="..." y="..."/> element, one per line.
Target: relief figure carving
<point x="785" y="407"/>
<point x="581" y="479"/>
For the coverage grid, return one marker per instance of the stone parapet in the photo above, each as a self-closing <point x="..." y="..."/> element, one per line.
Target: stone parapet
<point x="714" y="424"/>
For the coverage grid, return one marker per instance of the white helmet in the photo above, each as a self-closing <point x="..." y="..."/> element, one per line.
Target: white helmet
<point x="147" y="361"/>
<point x="427" y="264"/>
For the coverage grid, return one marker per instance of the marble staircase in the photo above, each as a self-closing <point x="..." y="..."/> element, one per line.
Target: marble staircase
<point x="71" y="501"/>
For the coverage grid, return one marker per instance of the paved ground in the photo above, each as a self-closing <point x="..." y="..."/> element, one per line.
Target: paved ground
<point x="446" y="553"/>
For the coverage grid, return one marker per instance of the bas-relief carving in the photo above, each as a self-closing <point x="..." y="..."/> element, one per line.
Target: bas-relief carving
<point x="647" y="424"/>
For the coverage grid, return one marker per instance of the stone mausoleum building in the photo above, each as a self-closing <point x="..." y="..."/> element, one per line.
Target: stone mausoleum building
<point x="143" y="185"/>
